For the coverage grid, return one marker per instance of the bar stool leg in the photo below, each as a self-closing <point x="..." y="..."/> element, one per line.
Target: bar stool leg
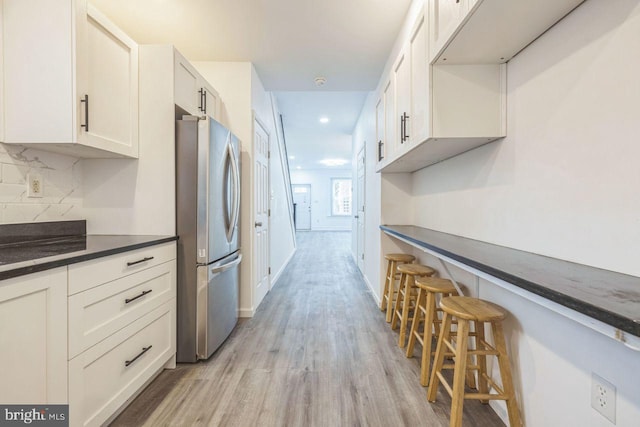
<point x="505" y="374"/>
<point x="457" y="400"/>
<point x="483" y="386"/>
<point x="427" y="338"/>
<point x="438" y="361"/>
<point x="392" y="290"/>
<point x="385" y="292"/>
<point x="415" y="325"/>
<point x="409" y="285"/>
<point x="394" y="319"/>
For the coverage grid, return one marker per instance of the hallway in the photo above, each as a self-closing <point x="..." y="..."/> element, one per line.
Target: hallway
<point x="317" y="353"/>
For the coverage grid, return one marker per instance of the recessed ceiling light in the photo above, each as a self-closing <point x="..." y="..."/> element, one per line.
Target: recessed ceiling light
<point x="292" y="157"/>
<point x="298" y="167"/>
<point x="333" y="162"/>
<point x="320" y="81"/>
<point x="324" y="120"/>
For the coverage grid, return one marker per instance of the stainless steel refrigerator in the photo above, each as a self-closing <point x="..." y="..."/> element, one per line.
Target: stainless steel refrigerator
<point x="207" y="218"/>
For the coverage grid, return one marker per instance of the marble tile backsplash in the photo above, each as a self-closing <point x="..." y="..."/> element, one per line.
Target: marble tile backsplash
<point x="62" y="186"/>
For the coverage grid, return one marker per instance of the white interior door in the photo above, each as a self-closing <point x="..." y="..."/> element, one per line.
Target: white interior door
<point x="261" y="212"/>
<point x="302" y="202"/>
<point x="360" y="199"/>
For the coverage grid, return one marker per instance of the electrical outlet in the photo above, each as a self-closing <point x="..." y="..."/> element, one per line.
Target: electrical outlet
<point x="35" y="185"/>
<point x="603" y="397"/>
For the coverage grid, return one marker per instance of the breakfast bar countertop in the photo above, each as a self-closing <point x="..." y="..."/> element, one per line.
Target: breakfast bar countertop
<point x="29" y="248"/>
<point x="610" y="297"/>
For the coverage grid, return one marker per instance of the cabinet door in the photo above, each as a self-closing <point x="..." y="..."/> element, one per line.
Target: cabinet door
<point x="445" y="17"/>
<point x="33" y="338"/>
<point x="380" y="148"/>
<point x="107" y="84"/>
<point x="419" y="123"/>
<point x="186" y="86"/>
<point x="37" y="49"/>
<point x="402" y="77"/>
<point x="389" y="119"/>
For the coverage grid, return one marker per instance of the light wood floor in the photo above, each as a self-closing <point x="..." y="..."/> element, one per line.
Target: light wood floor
<point x="317" y="353"/>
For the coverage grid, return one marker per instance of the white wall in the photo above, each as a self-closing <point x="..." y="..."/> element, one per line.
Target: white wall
<point x="62" y="176"/>
<point x="283" y="242"/>
<point x="242" y="92"/>
<point x="364" y="134"/>
<point x="320" y="181"/>
<point x="564" y="183"/>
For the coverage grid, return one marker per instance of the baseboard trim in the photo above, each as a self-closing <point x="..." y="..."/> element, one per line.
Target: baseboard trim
<point x="246" y="313"/>
<point x="284" y="265"/>
<point x="373" y="294"/>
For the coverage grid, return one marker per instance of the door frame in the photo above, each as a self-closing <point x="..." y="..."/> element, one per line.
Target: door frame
<point x="294" y="198"/>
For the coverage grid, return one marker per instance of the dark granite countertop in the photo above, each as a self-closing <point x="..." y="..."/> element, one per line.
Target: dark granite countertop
<point x="25" y="249"/>
<point x="612" y="298"/>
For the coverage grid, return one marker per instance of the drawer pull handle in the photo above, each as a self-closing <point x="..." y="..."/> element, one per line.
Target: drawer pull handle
<point x="145" y="259"/>
<point x="144" y="350"/>
<point x="128" y="300"/>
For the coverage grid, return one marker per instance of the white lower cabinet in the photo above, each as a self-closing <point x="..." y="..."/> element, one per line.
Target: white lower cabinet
<point x="105" y="376"/>
<point x="122" y="329"/>
<point x="33" y="338"/>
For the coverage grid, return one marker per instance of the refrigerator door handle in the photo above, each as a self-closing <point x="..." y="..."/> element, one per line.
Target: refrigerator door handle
<point x="227" y="266"/>
<point x="236" y="192"/>
<point x="227" y="209"/>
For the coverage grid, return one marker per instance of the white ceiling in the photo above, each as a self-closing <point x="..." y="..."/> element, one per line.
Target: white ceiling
<point x="310" y="141"/>
<point x="290" y="42"/>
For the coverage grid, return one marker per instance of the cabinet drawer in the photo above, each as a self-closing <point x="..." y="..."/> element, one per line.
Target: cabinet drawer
<point x="101" y="311"/>
<point x="102" y="378"/>
<point x="89" y="274"/>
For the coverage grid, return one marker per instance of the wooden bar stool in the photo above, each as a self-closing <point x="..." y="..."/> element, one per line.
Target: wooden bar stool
<point x="467" y="310"/>
<point x="429" y="314"/>
<point x="390" y="289"/>
<point x="406" y="296"/>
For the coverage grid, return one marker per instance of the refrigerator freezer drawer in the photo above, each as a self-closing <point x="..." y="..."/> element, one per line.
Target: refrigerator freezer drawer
<point x="217" y="311"/>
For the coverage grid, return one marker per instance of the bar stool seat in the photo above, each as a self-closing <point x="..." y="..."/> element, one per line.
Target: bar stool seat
<point x="466" y="310"/>
<point x="406" y="296"/>
<point x="429" y="314"/>
<point x="390" y="288"/>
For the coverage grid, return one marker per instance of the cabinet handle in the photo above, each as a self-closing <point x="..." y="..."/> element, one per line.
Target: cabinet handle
<point x="201" y="106"/>
<point x="405" y="117"/>
<point x="204" y="100"/>
<point x="401" y="129"/>
<point x="380" y="156"/>
<point x="144" y="350"/>
<point x="145" y="259"/>
<point x="86" y="113"/>
<point x="128" y="300"/>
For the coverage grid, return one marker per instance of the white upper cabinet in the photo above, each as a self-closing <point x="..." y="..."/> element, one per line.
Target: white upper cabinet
<point x="420" y="77"/>
<point x="380" y="129"/>
<point x="446" y="16"/>
<point x="402" y="79"/>
<point x="440" y="110"/>
<point x="192" y="92"/>
<point x="70" y="79"/>
<point x="390" y="139"/>
<point x="489" y="31"/>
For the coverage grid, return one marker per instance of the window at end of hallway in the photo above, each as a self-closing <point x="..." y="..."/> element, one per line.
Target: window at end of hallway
<point x="341" y="196"/>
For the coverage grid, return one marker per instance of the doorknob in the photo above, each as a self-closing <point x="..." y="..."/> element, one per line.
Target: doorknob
<point x="356" y="216"/>
<point x="258" y="224"/>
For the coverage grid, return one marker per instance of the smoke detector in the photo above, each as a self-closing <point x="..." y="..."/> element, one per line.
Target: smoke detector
<point x="320" y="81"/>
